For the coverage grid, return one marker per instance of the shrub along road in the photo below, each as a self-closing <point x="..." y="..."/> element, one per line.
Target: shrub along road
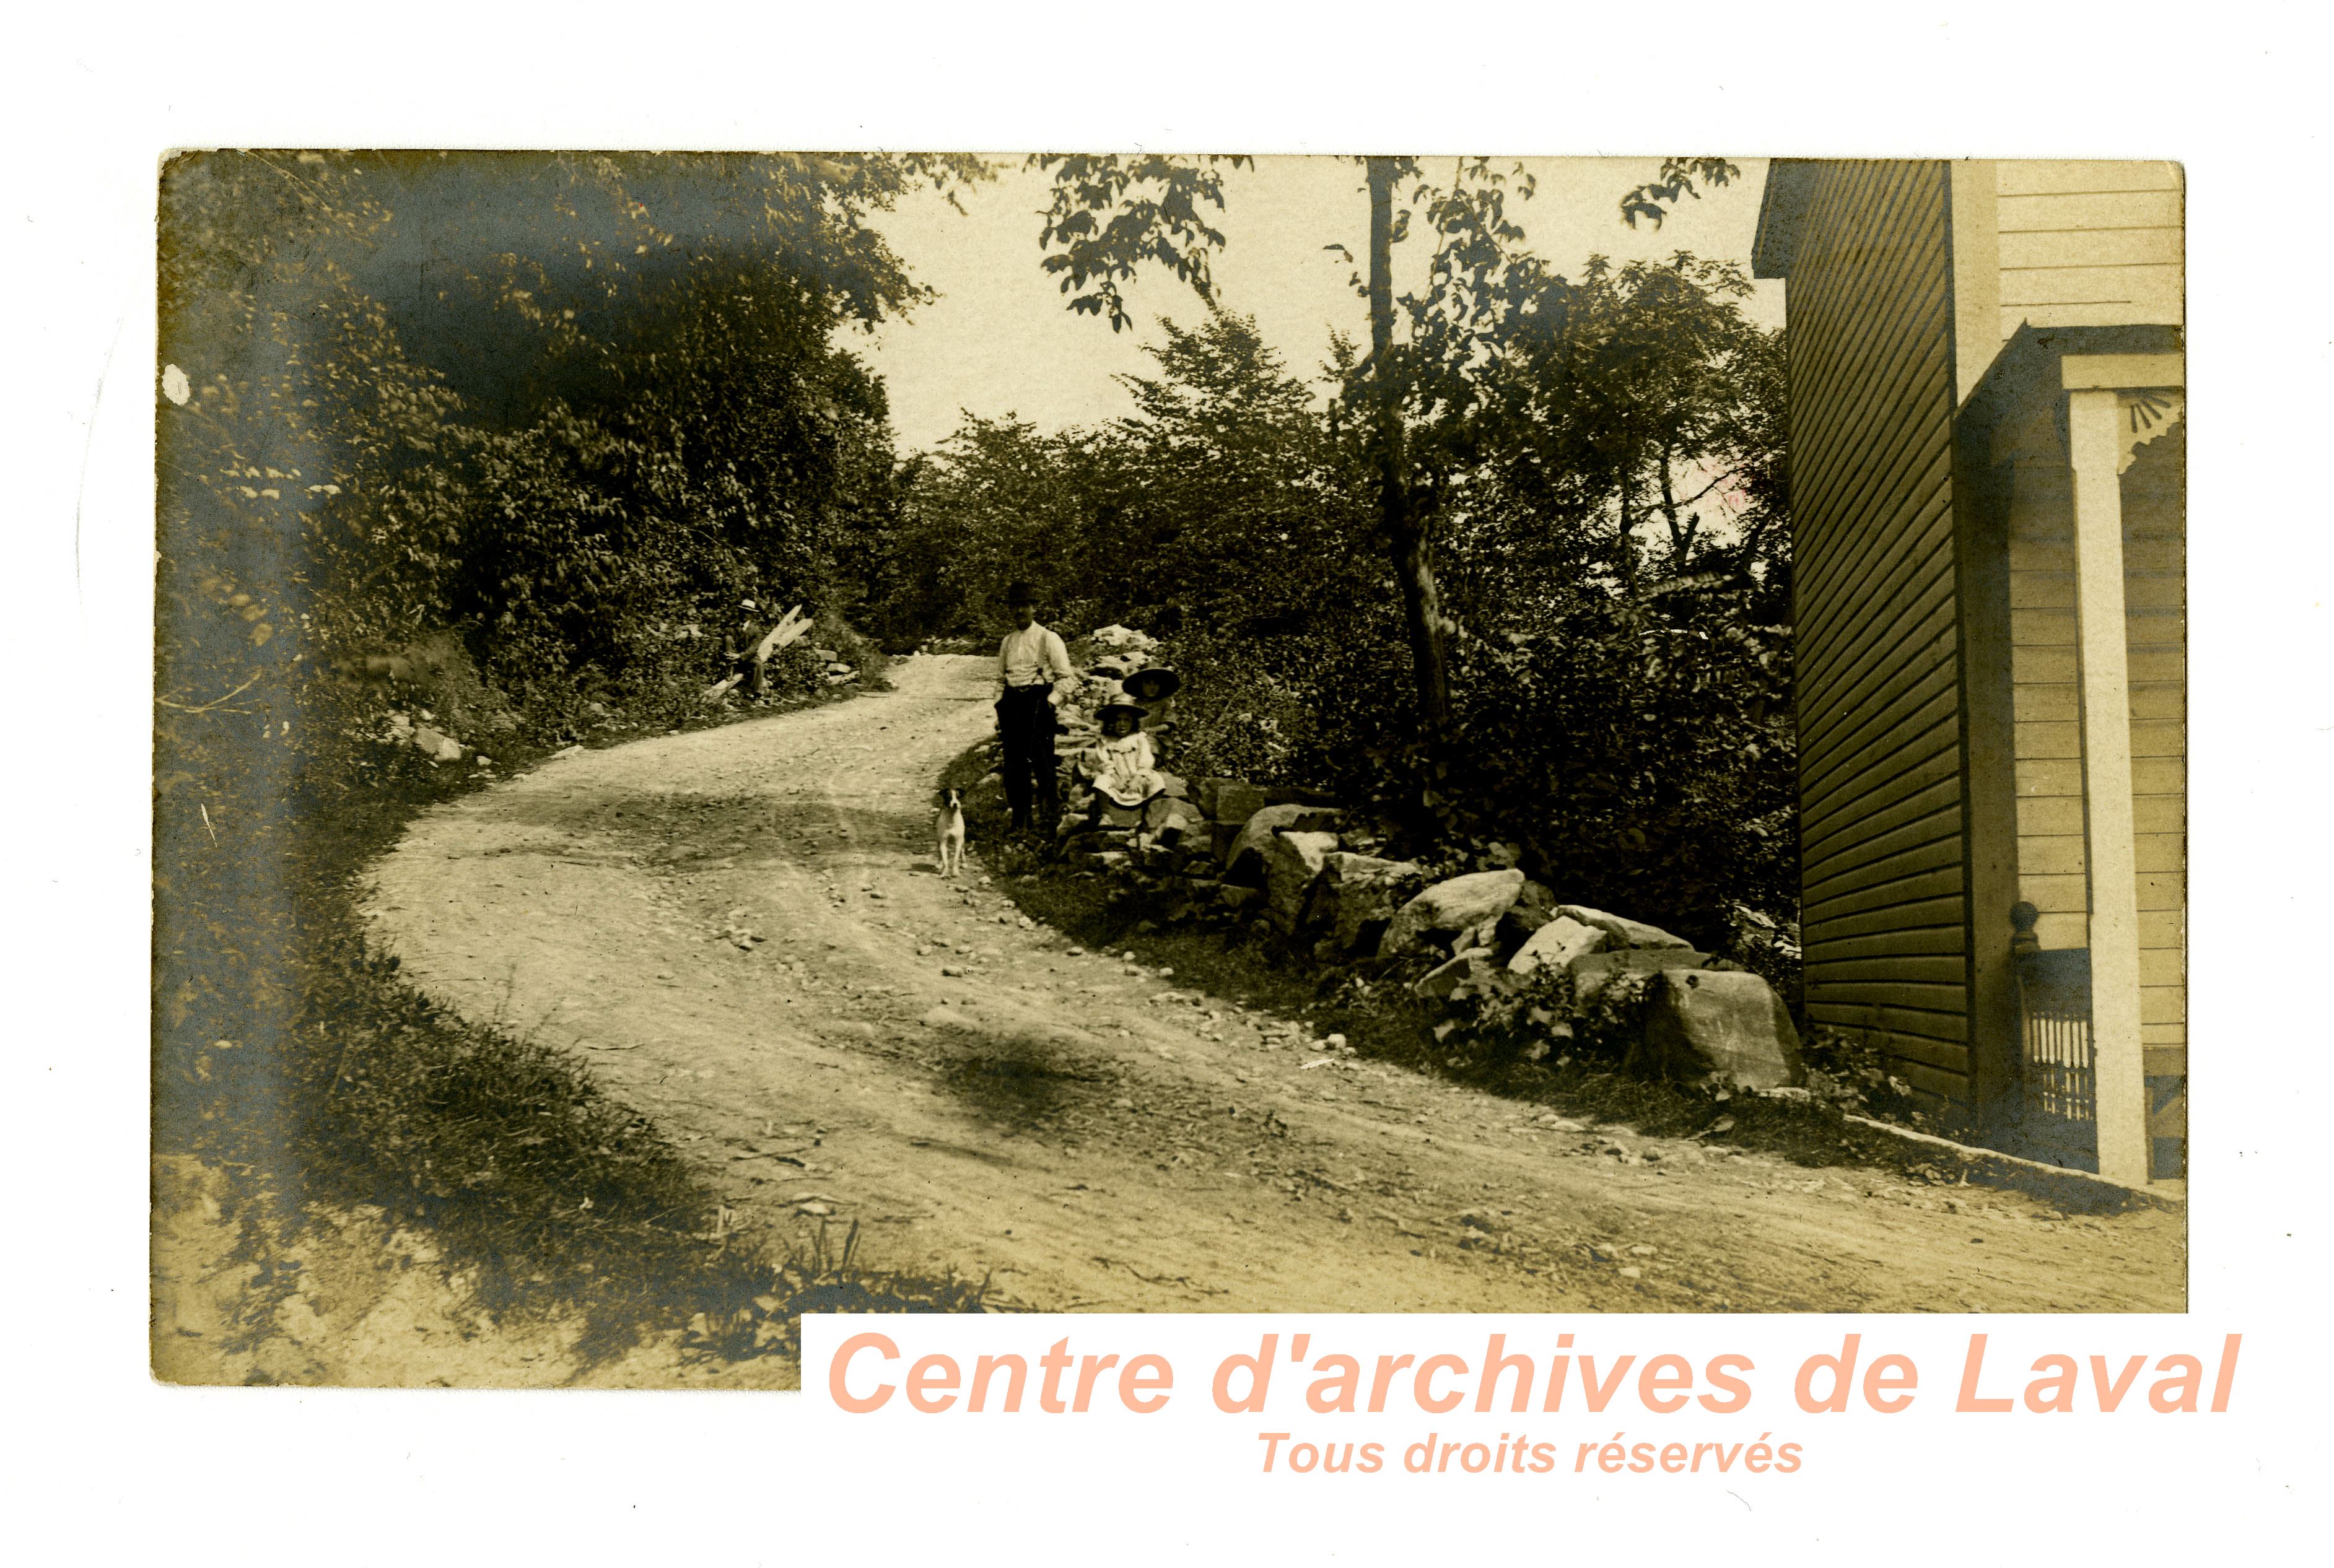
<point x="744" y="931"/>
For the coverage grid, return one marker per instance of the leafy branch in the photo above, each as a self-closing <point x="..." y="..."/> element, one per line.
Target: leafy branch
<point x="1678" y="178"/>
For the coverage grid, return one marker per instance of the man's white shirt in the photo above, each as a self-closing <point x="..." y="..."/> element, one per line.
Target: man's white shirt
<point x="1032" y="656"/>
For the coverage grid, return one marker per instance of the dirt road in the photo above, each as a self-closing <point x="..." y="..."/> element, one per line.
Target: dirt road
<point x="907" y="1051"/>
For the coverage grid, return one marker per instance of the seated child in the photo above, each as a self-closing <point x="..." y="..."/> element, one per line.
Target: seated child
<point x="1121" y="765"/>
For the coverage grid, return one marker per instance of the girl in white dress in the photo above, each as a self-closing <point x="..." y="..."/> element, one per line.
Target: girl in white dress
<point x="1121" y="767"/>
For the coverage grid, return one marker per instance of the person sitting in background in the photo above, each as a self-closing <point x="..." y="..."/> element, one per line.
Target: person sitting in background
<point x="742" y="649"/>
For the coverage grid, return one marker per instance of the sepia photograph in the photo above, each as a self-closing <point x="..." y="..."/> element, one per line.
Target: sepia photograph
<point x="744" y="734"/>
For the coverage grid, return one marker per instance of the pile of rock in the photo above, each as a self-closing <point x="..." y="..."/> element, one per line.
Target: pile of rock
<point x="401" y="729"/>
<point x="1284" y="862"/>
<point x="1199" y="853"/>
<point x="1508" y="937"/>
<point x="1118" y="652"/>
<point x="834" y="668"/>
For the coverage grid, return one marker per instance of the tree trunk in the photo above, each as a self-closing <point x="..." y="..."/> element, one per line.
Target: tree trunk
<point x="1625" y="542"/>
<point x="1678" y="541"/>
<point x="1399" y="513"/>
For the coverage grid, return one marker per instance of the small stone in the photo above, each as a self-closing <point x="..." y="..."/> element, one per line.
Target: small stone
<point x="1632" y="1274"/>
<point x="1121" y="1104"/>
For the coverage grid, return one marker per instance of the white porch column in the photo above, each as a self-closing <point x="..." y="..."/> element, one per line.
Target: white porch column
<point x="2094" y="449"/>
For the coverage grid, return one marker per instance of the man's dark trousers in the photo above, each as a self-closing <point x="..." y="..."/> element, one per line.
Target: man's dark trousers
<point x="1025" y="723"/>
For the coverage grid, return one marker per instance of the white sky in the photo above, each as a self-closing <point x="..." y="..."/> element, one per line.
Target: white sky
<point x="1002" y="340"/>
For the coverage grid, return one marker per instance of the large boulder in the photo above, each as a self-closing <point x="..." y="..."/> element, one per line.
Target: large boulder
<point x="1177" y="820"/>
<point x="1291" y="862"/>
<point x="1357" y="895"/>
<point x="1454" y="905"/>
<point x="1231" y="801"/>
<point x="1624" y="932"/>
<point x="1592" y="972"/>
<point x="1244" y="862"/>
<point x="1556" y="944"/>
<point x="1702" y="1021"/>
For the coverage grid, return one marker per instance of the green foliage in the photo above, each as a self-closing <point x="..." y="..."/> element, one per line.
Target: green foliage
<point x="1640" y="749"/>
<point x="999" y="502"/>
<point x="510" y="438"/>
<point x="1611" y="558"/>
<point x="1678" y="178"/>
<point x="1112" y="213"/>
<point x="565" y="405"/>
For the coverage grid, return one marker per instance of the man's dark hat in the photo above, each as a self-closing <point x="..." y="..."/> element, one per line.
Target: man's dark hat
<point x="1153" y="683"/>
<point x="1019" y="593"/>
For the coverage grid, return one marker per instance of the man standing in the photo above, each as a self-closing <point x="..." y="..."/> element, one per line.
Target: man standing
<point x="1029" y="661"/>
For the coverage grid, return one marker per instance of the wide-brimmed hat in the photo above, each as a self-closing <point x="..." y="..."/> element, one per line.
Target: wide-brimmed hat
<point x="1155" y="683"/>
<point x="1101" y="714"/>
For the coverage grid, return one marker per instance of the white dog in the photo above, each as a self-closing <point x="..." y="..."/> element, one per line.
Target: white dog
<point x="950" y="829"/>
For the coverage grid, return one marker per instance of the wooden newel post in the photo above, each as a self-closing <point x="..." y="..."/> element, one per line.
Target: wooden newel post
<point x="2094" y="443"/>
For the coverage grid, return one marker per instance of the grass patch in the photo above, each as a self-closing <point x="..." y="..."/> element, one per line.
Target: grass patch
<point x="818" y="1277"/>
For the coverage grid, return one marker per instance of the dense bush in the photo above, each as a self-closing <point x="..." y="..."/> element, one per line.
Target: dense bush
<point x="507" y="439"/>
<point x="1612" y="563"/>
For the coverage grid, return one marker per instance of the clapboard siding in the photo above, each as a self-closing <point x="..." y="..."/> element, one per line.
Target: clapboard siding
<point x="2047" y="698"/>
<point x="2046" y="688"/>
<point x="2155" y="530"/>
<point x="2089" y="243"/>
<point x="1879" y="695"/>
<point x="2100" y="247"/>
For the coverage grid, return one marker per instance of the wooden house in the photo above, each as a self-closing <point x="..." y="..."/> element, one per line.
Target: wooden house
<point x="1988" y="466"/>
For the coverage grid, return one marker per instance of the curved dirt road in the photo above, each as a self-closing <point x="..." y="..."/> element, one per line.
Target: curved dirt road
<point x="1043" y="1116"/>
